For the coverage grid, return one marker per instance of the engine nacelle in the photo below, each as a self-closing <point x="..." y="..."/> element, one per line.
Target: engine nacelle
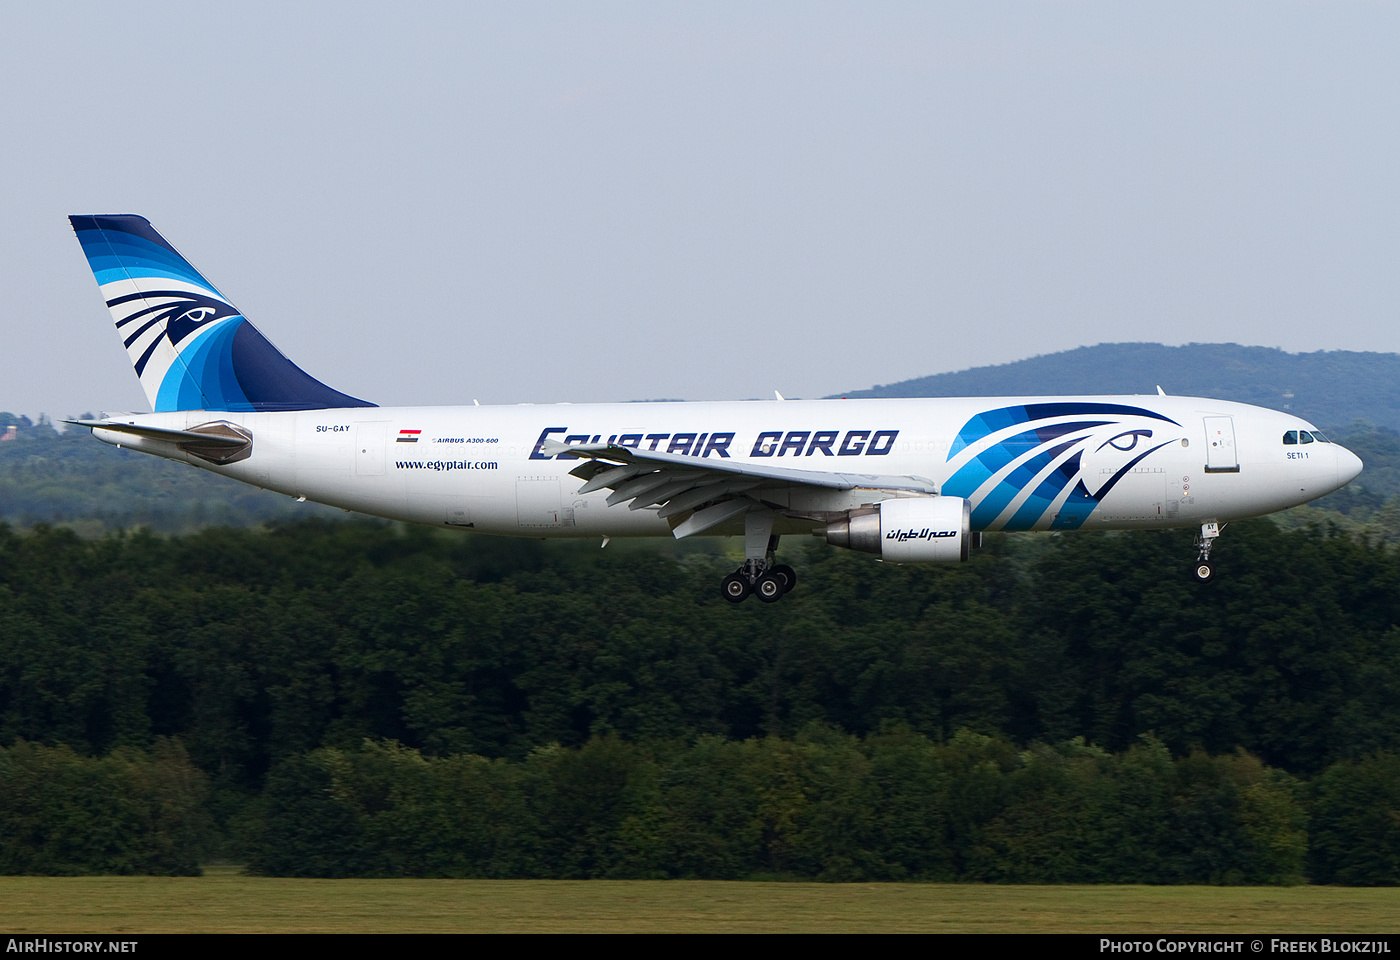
<point x="908" y="530"/>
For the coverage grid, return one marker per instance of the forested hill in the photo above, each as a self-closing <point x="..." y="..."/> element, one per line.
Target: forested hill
<point x="1330" y="388"/>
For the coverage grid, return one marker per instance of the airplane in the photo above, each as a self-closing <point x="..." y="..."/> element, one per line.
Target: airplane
<point x="907" y="480"/>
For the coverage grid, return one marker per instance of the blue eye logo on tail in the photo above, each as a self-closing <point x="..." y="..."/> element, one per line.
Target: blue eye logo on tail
<point x="1040" y="466"/>
<point x="190" y="347"/>
<point x="174" y="313"/>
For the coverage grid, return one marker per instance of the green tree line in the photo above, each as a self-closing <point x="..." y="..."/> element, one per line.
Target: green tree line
<point x="130" y="812"/>
<point x="893" y="806"/>
<point x="824" y="806"/>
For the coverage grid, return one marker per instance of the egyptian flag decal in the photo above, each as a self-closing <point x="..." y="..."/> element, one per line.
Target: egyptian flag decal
<point x="408" y="436"/>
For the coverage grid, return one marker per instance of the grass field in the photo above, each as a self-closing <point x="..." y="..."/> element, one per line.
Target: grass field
<point x="224" y="901"/>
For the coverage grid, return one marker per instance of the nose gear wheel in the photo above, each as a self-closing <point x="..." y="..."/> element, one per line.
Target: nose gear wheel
<point x="1204" y="570"/>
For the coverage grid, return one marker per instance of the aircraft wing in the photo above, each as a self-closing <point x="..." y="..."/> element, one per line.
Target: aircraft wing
<point x="715" y="489"/>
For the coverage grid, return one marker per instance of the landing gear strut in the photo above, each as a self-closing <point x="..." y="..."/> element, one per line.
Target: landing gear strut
<point x="1204" y="570"/>
<point x="759" y="575"/>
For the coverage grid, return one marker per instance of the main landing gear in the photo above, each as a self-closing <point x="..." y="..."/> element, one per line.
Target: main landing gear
<point x="768" y="585"/>
<point x="759" y="575"/>
<point x="1204" y="570"/>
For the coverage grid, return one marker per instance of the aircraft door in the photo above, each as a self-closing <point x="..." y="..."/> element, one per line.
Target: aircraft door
<point x="1140" y="495"/>
<point x="369" y="448"/>
<point x="1221" y="456"/>
<point x="537" y="502"/>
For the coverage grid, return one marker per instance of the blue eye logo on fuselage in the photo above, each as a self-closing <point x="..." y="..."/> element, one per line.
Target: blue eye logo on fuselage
<point x="1126" y="441"/>
<point x="1022" y="467"/>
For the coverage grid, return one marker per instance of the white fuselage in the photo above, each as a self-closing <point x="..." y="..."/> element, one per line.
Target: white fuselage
<point x="480" y="467"/>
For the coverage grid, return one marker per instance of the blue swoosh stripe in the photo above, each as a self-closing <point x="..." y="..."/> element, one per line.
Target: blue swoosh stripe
<point x="981" y="468"/>
<point x="1017" y="480"/>
<point x="1044" y="495"/>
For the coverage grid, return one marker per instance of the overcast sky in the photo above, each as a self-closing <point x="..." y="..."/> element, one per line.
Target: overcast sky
<point x="430" y="203"/>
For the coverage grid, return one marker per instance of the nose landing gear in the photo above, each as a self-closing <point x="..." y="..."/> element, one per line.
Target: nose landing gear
<point x="1204" y="570"/>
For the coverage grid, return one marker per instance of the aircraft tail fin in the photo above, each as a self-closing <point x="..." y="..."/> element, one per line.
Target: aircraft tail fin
<point x="192" y="349"/>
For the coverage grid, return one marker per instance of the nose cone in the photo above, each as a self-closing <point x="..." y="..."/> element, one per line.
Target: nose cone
<point x="1348" y="465"/>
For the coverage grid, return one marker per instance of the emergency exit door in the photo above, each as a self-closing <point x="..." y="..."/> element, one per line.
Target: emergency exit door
<point x="1221" y="456"/>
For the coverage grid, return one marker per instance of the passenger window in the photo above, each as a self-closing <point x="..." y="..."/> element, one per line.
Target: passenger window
<point x="1291" y="437"/>
<point x="1305" y="436"/>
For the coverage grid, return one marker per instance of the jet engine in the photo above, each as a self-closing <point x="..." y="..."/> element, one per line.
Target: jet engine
<point x="908" y="530"/>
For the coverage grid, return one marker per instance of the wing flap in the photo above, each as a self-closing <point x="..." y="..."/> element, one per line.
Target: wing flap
<point x="710" y="491"/>
<point x="636" y="487"/>
<point x="711" y="516"/>
<point x="605" y="476"/>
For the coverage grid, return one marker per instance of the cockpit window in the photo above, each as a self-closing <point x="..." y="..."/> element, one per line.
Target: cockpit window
<point x="1291" y="437"/>
<point x="1304" y="436"/>
<point x="1317" y="435"/>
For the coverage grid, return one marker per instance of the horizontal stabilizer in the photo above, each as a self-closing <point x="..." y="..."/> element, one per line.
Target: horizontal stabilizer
<point x="218" y="442"/>
<point x="162" y="433"/>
